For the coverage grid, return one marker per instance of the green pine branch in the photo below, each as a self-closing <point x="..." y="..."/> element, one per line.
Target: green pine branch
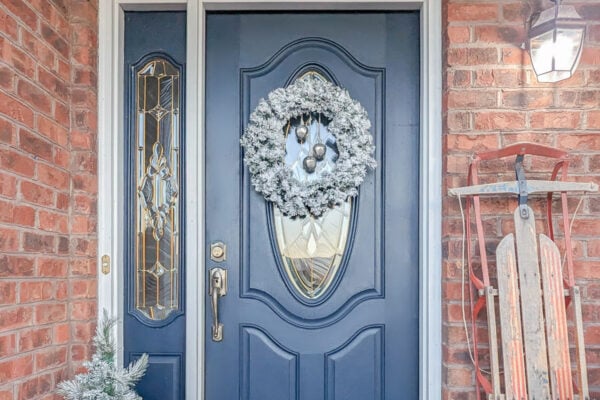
<point x="104" y="379"/>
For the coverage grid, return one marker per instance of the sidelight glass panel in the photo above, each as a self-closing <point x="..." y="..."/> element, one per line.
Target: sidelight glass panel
<point x="157" y="182"/>
<point x="311" y="248"/>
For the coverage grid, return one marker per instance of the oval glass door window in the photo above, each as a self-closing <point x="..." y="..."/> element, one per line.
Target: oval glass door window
<point x="311" y="248"/>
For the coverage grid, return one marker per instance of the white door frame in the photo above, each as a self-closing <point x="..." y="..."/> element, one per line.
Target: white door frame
<point x="110" y="167"/>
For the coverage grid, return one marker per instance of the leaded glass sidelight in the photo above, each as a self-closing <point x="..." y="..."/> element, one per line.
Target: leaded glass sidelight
<point x="312" y="249"/>
<point x="157" y="179"/>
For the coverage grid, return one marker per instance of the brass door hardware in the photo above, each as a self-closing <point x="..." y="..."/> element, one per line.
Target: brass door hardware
<point x="218" y="251"/>
<point x="217" y="289"/>
<point x="105" y="264"/>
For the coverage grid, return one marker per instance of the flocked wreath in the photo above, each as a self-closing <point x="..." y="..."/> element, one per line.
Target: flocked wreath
<point x="265" y="139"/>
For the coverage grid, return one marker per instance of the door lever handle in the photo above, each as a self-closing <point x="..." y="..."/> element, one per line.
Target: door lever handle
<point x="217" y="289"/>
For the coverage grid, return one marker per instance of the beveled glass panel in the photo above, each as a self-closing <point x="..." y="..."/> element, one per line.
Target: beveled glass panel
<point x="312" y="248"/>
<point x="157" y="182"/>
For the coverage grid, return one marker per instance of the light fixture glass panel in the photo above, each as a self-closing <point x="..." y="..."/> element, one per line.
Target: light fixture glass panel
<point x="568" y="43"/>
<point x="157" y="182"/>
<point x="556" y="39"/>
<point x="556" y="59"/>
<point x="542" y="52"/>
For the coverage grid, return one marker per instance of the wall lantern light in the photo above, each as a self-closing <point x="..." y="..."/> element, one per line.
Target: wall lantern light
<point x="555" y="42"/>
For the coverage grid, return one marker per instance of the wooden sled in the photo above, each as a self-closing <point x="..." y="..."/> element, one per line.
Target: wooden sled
<point x="533" y="290"/>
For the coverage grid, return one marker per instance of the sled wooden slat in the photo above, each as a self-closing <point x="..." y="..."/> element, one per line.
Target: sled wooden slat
<point x="582" y="380"/>
<point x="493" y="340"/>
<point x="556" y="320"/>
<point x="510" y="317"/>
<point x="531" y="307"/>
<point x="533" y="187"/>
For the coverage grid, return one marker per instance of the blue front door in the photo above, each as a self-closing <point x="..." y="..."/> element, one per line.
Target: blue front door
<point x="306" y="317"/>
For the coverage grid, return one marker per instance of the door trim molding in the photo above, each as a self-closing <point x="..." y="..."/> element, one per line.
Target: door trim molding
<point x="110" y="167"/>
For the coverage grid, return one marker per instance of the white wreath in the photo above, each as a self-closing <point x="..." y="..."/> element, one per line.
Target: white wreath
<point x="264" y="142"/>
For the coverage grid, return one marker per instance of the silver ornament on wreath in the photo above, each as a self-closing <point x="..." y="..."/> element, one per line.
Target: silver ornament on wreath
<point x="319" y="150"/>
<point x="301" y="133"/>
<point x="310" y="164"/>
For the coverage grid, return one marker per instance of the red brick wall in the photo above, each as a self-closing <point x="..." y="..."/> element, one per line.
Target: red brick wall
<point x="492" y="99"/>
<point x="48" y="191"/>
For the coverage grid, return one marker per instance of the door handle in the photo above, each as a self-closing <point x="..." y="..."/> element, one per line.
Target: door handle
<point x="217" y="289"/>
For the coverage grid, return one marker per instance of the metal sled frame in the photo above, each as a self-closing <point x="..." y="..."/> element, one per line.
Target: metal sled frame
<point x="536" y="359"/>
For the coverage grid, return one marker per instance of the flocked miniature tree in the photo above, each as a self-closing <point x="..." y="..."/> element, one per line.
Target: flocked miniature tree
<point x="104" y="379"/>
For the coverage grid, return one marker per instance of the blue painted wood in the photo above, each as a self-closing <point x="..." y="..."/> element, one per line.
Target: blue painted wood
<point x="149" y="34"/>
<point x="263" y="356"/>
<point x="355" y="370"/>
<point x="370" y="319"/>
<point x="162" y="379"/>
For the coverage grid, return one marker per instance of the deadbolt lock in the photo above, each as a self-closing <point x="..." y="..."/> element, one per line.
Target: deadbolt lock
<point x="218" y="251"/>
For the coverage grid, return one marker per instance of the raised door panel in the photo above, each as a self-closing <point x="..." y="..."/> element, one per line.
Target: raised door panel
<point x="162" y="378"/>
<point x="355" y="370"/>
<point x="268" y="371"/>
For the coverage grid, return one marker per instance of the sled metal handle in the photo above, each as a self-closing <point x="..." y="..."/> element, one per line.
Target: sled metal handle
<point x="217" y="289"/>
<point x="522" y="182"/>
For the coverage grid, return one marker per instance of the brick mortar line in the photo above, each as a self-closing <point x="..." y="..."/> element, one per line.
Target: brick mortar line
<point x="34" y="110"/>
<point x="36" y="158"/>
<point x="41" y="17"/>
